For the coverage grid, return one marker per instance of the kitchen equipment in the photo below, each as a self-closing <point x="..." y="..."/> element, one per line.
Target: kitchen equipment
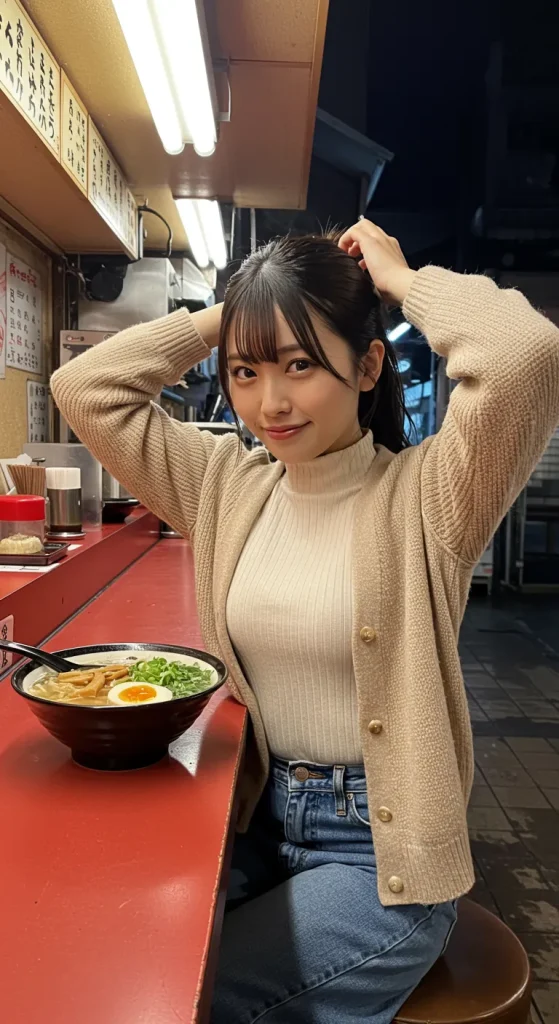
<point x="150" y="290"/>
<point x="168" y="533"/>
<point x="115" y="510"/>
<point x="65" y="498"/>
<point x="118" y="738"/>
<point x="112" y="488"/>
<point x="77" y="455"/>
<point x="22" y="521"/>
<point x="53" y="661"/>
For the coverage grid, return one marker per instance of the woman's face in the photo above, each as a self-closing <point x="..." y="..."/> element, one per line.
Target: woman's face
<point x="295" y="407"/>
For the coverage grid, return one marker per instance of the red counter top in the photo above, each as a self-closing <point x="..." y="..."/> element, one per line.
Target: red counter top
<point x="39" y="602"/>
<point x="111" y="883"/>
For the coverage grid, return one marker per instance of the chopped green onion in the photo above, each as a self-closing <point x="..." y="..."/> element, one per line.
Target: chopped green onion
<point x="183" y="680"/>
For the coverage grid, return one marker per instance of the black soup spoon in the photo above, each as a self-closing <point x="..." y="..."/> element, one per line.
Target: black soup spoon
<point x="53" y="661"/>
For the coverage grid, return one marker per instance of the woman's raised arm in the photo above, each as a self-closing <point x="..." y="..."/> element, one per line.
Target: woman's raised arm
<point x="503" y="412"/>
<point x="106" y="395"/>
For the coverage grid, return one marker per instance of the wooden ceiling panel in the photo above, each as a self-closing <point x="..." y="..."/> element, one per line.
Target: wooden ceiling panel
<point x="263" y="154"/>
<point x="270" y="140"/>
<point x="276" y="30"/>
<point x="49" y="200"/>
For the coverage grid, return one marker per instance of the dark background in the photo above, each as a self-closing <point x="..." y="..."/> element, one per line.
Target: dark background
<point x="466" y="96"/>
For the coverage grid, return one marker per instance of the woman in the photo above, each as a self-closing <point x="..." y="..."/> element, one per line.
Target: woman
<point x="333" y="582"/>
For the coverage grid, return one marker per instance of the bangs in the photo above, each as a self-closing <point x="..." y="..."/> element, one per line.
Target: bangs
<point x="250" y="322"/>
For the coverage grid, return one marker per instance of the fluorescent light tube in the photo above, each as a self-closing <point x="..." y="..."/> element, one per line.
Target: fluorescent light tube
<point x="179" y="29"/>
<point x="212" y="227"/>
<point x="204" y="227"/>
<point x="139" y="31"/>
<point x="191" y="221"/>
<point x="165" y="41"/>
<point x="398" y="331"/>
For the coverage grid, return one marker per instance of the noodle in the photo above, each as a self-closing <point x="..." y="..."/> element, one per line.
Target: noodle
<point x="83" y="687"/>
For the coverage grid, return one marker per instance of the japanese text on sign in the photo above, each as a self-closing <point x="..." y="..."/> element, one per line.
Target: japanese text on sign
<point x="24" y="349"/>
<point x="37" y="412"/>
<point x="74" y="135"/>
<point x="6" y="633"/>
<point x="28" y="74"/>
<point x="109" y="193"/>
<point x="2" y="311"/>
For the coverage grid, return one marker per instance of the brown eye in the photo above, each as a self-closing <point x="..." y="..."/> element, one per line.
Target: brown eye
<point x="300" y="365"/>
<point x="243" y="373"/>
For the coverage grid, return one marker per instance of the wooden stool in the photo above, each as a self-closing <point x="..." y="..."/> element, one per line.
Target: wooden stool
<point x="483" y="978"/>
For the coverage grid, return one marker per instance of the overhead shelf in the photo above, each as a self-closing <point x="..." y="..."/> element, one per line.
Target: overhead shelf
<point x="34" y="182"/>
<point x="268" y="52"/>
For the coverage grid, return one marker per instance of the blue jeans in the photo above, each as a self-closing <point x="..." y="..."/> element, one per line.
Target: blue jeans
<point x="305" y="937"/>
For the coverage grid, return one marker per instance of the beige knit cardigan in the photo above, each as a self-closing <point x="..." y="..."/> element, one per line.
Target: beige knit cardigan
<point x="423" y="519"/>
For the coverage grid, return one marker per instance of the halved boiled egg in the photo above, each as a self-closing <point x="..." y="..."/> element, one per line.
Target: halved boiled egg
<point x="138" y="693"/>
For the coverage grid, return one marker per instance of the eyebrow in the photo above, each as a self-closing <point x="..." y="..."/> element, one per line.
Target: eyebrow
<point x="281" y="351"/>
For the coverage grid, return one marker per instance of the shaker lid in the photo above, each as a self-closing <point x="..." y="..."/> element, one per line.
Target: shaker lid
<point x="21" y="508"/>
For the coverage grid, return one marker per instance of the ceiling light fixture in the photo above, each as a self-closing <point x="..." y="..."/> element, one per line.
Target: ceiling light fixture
<point x="203" y="224"/>
<point x="404" y="365"/>
<point x="398" y="331"/>
<point x="165" y="40"/>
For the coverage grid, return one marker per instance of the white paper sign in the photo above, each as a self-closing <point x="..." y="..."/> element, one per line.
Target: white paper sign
<point x="109" y="193"/>
<point x="24" y="347"/>
<point x="6" y="633"/>
<point x="74" y="135"/>
<point x="2" y="311"/>
<point x="37" y="412"/>
<point x="28" y="73"/>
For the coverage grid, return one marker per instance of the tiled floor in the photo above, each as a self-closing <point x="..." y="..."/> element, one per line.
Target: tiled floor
<point x="510" y="658"/>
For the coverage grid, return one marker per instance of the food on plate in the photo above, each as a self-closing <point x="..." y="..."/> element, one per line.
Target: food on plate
<point x="21" y="544"/>
<point x="138" y="693"/>
<point x="141" y="682"/>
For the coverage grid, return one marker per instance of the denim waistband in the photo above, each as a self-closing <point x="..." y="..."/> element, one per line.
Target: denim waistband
<point x="301" y="776"/>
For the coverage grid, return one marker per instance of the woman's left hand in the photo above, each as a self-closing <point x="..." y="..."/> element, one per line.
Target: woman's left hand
<point x="382" y="257"/>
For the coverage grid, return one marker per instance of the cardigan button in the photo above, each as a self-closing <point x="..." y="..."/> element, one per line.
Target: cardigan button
<point x="368" y="634"/>
<point x="395" y="884"/>
<point x="383" y="814"/>
<point x="375" y="727"/>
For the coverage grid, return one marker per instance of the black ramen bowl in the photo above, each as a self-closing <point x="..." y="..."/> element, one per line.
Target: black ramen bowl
<point x="119" y="738"/>
<point x="115" y="510"/>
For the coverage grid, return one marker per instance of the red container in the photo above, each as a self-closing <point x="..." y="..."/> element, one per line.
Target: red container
<point x="22" y="524"/>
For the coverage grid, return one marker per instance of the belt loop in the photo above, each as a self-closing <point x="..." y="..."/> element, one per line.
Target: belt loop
<point x="339" y="794"/>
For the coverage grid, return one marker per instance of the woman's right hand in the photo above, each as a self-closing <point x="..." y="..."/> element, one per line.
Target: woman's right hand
<point x="382" y="257"/>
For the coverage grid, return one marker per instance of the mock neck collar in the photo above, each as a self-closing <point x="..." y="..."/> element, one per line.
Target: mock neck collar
<point x="338" y="471"/>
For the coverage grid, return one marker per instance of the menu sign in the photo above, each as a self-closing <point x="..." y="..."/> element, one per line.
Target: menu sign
<point x="6" y="633"/>
<point x="2" y="311"/>
<point x="28" y="73"/>
<point x="109" y="193"/>
<point x="37" y="412"/>
<point x="24" y="349"/>
<point x="74" y="135"/>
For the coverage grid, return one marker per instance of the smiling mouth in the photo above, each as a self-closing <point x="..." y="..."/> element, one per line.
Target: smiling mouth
<point x="284" y="433"/>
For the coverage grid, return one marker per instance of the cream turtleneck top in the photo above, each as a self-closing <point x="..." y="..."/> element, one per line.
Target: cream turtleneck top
<point x="289" y="609"/>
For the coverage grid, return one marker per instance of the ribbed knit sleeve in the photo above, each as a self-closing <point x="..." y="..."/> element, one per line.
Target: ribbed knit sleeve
<point x="502" y="414"/>
<point x="106" y="395"/>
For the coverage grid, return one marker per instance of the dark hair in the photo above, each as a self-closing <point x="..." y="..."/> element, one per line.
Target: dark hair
<point x="297" y="276"/>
